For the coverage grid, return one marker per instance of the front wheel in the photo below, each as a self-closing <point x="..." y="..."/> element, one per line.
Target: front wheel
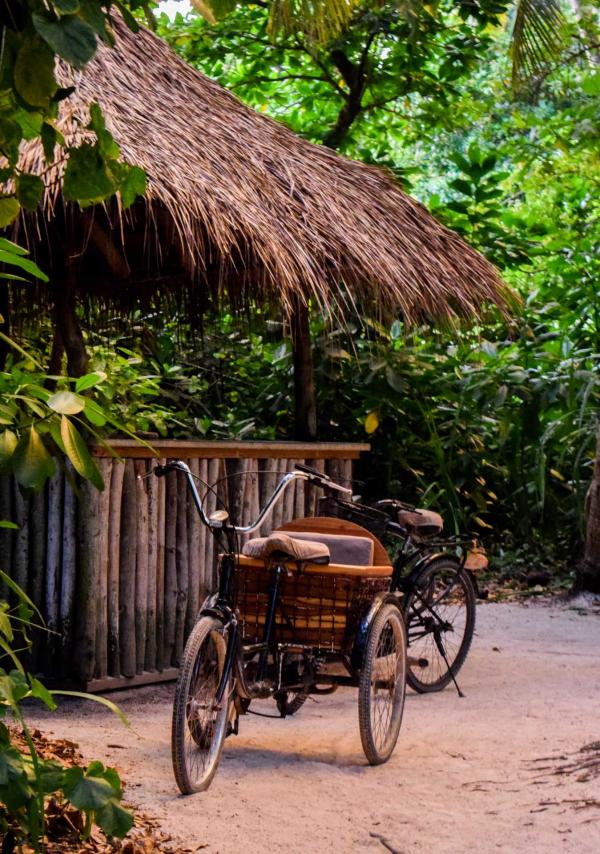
<point x="382" y="685"/>
<point x="440" y="619"/>
<point x="199" y="721"/>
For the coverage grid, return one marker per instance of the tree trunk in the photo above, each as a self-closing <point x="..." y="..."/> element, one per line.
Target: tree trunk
<point x="588" y="571"/>
<point x="304" y="381"/>
<point x="65" y="306"/>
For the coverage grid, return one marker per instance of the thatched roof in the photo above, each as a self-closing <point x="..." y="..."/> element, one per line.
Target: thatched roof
<point x="243" y="191"/>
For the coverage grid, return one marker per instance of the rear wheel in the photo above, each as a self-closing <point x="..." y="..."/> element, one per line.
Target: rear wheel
<point x="440" y="620"/>
<point x="382" y="685"/>
<point x="199" y="722"/>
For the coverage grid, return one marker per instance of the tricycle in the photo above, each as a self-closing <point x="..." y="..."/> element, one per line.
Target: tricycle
<point x="299" y="612"/>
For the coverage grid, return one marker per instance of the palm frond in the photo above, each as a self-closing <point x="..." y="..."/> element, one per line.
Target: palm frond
<point x="318" y="20"/>
<point x="538" y="36"/>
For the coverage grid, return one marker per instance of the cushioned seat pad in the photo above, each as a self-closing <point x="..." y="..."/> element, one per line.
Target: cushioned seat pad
<point x="281" y="545"/>
<point x="346" y="549"/>
<point x="422" y="522"/>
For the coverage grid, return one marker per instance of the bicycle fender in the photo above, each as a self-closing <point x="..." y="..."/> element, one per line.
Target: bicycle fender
<point x="362" y="635"/>
<point x="426" y="561"/>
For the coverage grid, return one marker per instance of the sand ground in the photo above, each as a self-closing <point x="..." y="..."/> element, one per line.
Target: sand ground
<point x="468" y="775"/>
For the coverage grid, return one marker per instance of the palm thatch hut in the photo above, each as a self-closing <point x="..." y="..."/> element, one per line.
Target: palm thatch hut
<point x="237" y="208"/>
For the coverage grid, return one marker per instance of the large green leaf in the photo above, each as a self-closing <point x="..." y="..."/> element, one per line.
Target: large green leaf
<point x="114" y="819"/>
<point x="133" y="185"/>
<point x="66" y="403"/>
<point x="88" y="792"/>
<point x="29" y="190"/>
<point x="70" y="37"/>
<point x="78" y="453"/>
<point x="8" y="443"/>
<point x="86" y="178"/>
<point x="17" y="260"/>
<point x="32" y="464"/>
<point x="9" y="210"/>
<point x="34" y="72"/>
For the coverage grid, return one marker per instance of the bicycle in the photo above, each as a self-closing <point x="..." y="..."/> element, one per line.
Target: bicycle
<point x="284" y="618"/>
<point x="435" y="576"/>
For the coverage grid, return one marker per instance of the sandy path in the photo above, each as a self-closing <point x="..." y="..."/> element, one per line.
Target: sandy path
<point x="465" y="775"/>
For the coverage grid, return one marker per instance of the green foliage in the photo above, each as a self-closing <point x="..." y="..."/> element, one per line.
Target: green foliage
<point x="38" y="425"/>
<point x="27" y="780"/>
<point x="34" y="35"/>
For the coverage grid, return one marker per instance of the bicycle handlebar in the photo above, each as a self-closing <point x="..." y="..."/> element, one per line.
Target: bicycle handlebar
<point x="302" y="472"/>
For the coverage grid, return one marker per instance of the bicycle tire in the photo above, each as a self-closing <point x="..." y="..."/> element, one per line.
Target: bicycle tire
<point x="441" y="585"/>
<point x="199" y="727"/>
<point x="380" y="706"/>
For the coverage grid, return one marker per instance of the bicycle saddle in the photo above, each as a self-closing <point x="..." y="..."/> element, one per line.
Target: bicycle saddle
<point x="282" y="546"/>
<point x="424" y="523"/>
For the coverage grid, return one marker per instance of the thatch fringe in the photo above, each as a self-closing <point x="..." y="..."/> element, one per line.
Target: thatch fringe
<point x="246" y="196"/>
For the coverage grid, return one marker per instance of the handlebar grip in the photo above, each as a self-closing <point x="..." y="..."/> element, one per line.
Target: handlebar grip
<point x="311" y="471"/>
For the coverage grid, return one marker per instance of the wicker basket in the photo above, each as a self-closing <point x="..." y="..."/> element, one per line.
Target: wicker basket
<point x="318" y="610"/>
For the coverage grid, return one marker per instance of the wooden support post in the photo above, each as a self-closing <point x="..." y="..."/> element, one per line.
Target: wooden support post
<point x="305" y="401"/>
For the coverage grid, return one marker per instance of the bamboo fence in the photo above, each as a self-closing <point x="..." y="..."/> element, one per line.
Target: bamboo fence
<point x="119" y="575"/>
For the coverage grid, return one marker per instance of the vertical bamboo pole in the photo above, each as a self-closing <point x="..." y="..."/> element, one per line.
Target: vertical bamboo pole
<point x="68" y="573"/>
<point x="268" y="481"/>
<point x="101" y="670"/>
<point x="170" y="598"/>
<point x="53" y="565"/>
<point x="114" y="566"/>
<point x="127" y="564"/>
<point x="152" y="487"/>
<point x="37" y="565"/>
<point x="160" y="571"/>
<point x="89" y="532"/>
<point x="313" y="494"/>
<point x="195" y="559"/>
<point x="6" y="534"/>
<point x="181" y="564"/>
<point x="299" y="497"/>
<point x="288" y="495"/>
<point x="279" y="510"/>
<point x="141" y="565"/>
<point x="20" y="553"/>
<point x="215" y="468"/>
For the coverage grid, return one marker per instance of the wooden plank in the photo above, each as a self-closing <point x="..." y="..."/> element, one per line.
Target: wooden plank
<point x="184" y="449"/>
<point x="106" y="468"/>
<point x="141" y="564"/>
<point x="152" y="486"/>
<point x="114" y="567"/>
<point x="181" y="564"/>
<point x="127" y="564"/>
<point x="160" y="573"/>
<point x="119" y="683"/>
<point x="53" y="566"/>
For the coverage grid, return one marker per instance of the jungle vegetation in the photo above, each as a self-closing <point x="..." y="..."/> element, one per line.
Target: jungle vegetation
<point x="487" y="112"/>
